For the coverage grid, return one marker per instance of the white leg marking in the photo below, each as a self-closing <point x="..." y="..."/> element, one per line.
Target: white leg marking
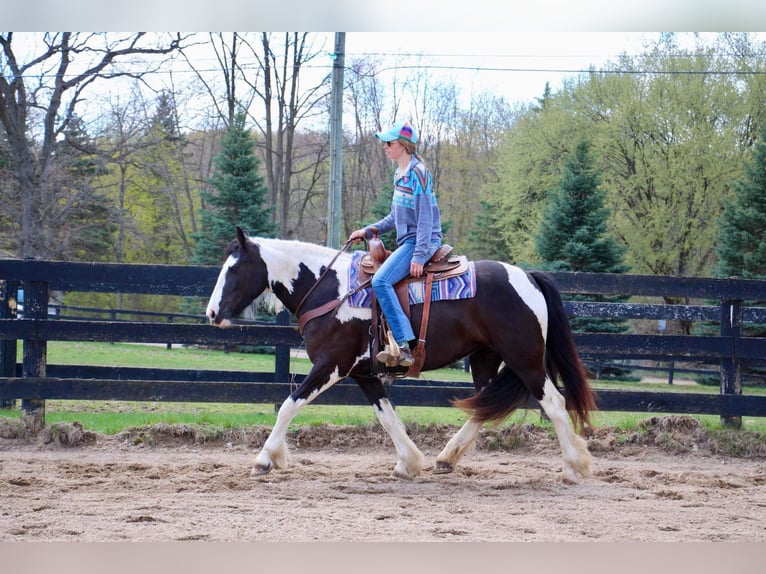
<point x="577" y="459"/>
<point x="457" y="446"/>
<point x="274" y="451"/>
<point x="410" y="461"/>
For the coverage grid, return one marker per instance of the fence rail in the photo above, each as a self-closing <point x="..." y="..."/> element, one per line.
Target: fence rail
<point x="34" y="380"/>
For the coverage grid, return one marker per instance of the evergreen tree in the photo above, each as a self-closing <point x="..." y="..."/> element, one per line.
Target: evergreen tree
<point x="485" y="240"/>
<point x="87" y="217"/>
<point x="573" y="232"/>
<point x="573" y="236"/>
<point x="239" y="197"/>
<point x="741" y="245"/>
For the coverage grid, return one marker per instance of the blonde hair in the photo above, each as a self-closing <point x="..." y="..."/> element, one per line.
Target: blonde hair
<point x="408" y="146"/>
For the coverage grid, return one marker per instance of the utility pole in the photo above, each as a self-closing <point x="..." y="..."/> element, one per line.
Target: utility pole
<point x="334" y="204"/>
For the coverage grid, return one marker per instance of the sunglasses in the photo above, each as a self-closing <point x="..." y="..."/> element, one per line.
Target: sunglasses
<point x="389" y="144"/>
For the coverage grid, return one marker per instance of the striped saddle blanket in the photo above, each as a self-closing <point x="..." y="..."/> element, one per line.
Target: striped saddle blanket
<point x="452" y="288"/>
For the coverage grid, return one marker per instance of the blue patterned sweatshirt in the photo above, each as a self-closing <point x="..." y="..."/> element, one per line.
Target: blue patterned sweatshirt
<point x="414" y="211"/>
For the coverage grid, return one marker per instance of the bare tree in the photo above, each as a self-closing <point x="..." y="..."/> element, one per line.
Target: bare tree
<point x="285" y="103"/>
<point x="41" y="85"/>
<point x="268" y="69"/>
<point x="367" y="172"/>
<point x="232" y="66"/>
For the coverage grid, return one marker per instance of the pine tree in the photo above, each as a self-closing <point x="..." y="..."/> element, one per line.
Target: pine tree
<point x="741" y="245"/>
<point x="238" y="200"/>
<point x="573" y="235"/>
<point x="573" y="231"/>
<point x="485" y="240"/>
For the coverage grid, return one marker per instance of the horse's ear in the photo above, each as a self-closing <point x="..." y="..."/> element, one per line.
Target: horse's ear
<point x="241" y="237"/>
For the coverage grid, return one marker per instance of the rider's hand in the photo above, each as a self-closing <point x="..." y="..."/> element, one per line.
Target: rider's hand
<point x="358" y="235"/>
<point x="416" y="269"/>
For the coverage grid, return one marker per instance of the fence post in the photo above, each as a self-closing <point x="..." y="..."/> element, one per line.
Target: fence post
<point x="35" y="352"/>
<point x="731" y="369"/>
<point x="169" y="346"/>
<point x="8" y="348"/>
<point x="282" y="353"/>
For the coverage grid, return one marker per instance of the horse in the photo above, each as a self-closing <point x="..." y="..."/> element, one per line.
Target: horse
<point x="514" y="331"/>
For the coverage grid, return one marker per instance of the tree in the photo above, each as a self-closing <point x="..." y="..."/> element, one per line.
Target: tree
<point x="168" y="218"/>
<point x="38" y="101"/>
<point x="82" y="222"/>
<point x="741" y="246"/>
<point x="742" y="228"/>
<point x="239" y="199"/>
<point x="285" y="106"/>
<point x="668" y="130"/>
<point x="573" y="232"/>
<point x="528" y="163"/>
<point x="485" y="240"/>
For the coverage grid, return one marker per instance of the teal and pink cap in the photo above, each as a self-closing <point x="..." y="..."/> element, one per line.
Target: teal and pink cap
<point x="401" y="131"/>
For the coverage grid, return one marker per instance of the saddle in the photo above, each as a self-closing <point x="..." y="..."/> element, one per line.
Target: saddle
<point x="441" y="265"/>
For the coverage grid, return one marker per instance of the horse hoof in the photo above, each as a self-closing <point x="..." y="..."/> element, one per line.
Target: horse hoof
<point x="260" y="469"/>
<point x="400" y="475"/>
<point x="443" y="467"/>
<point x="569" y="476"/>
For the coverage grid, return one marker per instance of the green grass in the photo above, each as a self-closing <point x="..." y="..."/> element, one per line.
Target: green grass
<point x="110" y="417"/>
<point x="157" y="356"/>
<point x="178" y="357"/>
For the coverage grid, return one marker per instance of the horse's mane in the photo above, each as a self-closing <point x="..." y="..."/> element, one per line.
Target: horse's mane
<point x="298" y="250"/>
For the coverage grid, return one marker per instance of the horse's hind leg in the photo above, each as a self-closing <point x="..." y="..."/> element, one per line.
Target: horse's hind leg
<point x="457" y="446"/>
<point x="484" y="366"/>
<point x="410" y="461"/>
<point x="574" y="449"/>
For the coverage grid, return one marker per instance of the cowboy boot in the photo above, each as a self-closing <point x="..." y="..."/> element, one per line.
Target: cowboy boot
<point x="405" y="356"/>
<point x="396" y="356"/>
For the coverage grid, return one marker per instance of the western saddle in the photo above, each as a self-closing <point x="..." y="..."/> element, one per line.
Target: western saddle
<point x="441" y="265"/>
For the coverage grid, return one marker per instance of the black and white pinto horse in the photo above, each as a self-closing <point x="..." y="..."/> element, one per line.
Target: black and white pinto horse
<point x="514" y="330"/>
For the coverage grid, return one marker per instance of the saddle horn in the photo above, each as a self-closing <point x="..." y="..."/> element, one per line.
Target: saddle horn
<point x="375" y="246"/>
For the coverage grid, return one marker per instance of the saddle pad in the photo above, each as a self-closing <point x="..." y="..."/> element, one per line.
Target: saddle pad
<point x="459" y="287"/>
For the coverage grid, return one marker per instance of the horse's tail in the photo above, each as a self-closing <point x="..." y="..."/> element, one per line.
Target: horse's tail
<point x="561" y="358"/>
<point x="504" y="394"/>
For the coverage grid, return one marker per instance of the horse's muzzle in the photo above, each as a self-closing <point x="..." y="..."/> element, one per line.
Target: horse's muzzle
<point x="216" y="320"/>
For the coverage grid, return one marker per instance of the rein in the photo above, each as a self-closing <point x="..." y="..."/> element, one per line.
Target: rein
<point x="327" y="307"/>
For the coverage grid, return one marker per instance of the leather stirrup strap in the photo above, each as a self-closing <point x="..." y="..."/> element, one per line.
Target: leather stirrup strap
<point x="419" y="354"/>
<point x="375" y="334"/>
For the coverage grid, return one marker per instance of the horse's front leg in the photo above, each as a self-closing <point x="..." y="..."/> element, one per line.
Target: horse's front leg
<point x="409" y="460"/>
<point x="273" y="455"/>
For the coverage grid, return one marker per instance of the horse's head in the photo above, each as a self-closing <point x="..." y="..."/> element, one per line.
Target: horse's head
<point x="243" y="277"/>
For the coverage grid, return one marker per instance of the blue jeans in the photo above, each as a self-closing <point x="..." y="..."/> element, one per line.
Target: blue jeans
<point x="394" y="269"/>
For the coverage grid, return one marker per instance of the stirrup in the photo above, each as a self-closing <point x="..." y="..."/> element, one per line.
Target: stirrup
<point x="395" y="356"/>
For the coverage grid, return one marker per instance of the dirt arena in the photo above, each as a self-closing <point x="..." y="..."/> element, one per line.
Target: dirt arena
<point x="668" y="481"/>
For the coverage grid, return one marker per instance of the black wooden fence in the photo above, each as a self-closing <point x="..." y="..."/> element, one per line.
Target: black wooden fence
<point x="34" y="381"/>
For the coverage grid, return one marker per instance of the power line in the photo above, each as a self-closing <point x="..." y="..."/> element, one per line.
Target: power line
<point x="571" y="70"/>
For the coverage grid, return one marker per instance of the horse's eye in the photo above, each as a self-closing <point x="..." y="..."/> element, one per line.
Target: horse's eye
<point x="234" y="267"/>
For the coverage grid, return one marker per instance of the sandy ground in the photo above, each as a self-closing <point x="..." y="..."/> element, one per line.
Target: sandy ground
<point x="665" y="483"/>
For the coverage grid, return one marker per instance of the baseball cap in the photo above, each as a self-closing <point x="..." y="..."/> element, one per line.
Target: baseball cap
<point x="402" y="130"/>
